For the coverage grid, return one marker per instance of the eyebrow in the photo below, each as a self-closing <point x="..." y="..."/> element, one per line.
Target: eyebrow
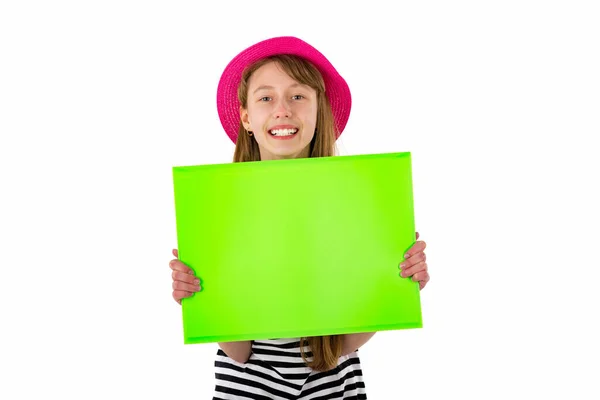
<point x="265" y="87"/>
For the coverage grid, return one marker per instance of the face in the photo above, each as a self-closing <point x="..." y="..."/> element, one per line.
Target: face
<point x="281" y="113"/>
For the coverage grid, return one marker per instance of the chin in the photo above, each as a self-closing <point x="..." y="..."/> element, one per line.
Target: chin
<point x="287" y="153"/>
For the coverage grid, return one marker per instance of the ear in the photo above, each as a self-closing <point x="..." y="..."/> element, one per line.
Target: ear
<point x="245" y="118"/>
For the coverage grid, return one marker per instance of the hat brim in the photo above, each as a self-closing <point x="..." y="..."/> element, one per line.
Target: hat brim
<point x="336" y="88"/>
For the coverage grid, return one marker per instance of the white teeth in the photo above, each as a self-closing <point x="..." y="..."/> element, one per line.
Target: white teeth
<point x="283" y="132"/>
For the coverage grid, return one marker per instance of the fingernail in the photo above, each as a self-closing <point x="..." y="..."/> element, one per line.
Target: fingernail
<point x="171" y="263"/>
<point x="191" y="272"/>
<point x="199" y="288"/>
<point x="401" y="265"/>
<point x="406" y="256"/>
<point x="197" y="281"/>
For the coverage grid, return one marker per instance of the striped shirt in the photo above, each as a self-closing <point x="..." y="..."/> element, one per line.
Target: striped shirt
<point x="276" y="371"/>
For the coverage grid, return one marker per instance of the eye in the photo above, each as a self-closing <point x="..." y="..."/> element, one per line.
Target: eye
<point x="298" y="97"/>
<point x="265" y="98"/>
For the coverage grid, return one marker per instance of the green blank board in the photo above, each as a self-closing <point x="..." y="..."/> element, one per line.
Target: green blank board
<point x="296" y="248"/>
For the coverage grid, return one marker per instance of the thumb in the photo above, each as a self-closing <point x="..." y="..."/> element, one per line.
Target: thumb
<point x="175" y="253"/>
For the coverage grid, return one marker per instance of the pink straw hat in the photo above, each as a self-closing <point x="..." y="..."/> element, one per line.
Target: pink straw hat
<point x="336" y="88"/>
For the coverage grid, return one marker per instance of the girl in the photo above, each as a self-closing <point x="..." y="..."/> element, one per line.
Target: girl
<point x="281" y="99"/>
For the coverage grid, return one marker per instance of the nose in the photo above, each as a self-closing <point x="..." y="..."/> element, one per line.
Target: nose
<point x="282" y="109"/>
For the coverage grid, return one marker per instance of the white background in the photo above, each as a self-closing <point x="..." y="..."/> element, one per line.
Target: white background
<point x="498" y="102"/>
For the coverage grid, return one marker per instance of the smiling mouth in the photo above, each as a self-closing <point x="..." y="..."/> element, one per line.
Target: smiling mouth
<point x="283" y="132"/>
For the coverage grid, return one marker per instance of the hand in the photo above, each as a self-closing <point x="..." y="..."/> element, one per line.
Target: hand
<point x="185" y="283"/>
<point x="414" y="264"/>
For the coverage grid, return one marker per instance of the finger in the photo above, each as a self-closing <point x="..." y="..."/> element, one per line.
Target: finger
<point x="417" y="235"/>
<point x="188" y="287"/>
<point x="412" y="260"/>
<point x="180" y="294"/>
<point x="177" y="265"/>
<point x="186" y="278"/>
<point x="176" y="299"/>
<point x="410" y="271"/>
<point x="175" y="253"/>
<point x="418" y="246"/>
<point x="422" y="276"/>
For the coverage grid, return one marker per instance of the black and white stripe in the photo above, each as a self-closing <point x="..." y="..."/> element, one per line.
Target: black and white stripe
<point x="276" y="371"/>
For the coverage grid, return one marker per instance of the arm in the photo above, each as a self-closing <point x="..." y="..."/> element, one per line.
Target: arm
<point x="351" y="342"/>
<point x="237" y="351"/>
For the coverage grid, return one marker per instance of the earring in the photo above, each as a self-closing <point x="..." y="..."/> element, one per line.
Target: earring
<point x="250" y="133"/>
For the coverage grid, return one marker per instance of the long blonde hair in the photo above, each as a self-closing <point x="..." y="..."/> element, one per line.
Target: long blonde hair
<point x="326" y="350"/>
